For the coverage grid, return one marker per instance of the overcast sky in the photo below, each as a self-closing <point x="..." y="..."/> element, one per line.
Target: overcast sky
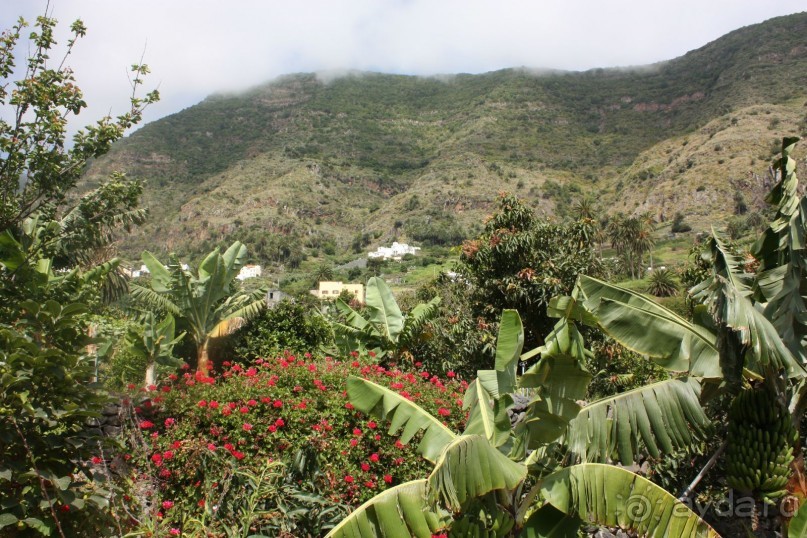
<point x="198" y="47"/>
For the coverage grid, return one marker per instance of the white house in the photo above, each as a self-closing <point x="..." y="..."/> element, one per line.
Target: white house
<point x="249" y="271"/>
<point x="395" y="252"/>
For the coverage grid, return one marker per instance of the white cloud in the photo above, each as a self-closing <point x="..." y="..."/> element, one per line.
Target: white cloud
<point x="197" y="47"/>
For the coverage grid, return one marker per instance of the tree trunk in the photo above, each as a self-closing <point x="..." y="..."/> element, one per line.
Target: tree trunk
<point x="202" y="360"/>
<point x="151" y="376"/>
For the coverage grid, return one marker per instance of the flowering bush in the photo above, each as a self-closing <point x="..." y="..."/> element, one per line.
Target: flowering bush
<point x="192" y="431"/>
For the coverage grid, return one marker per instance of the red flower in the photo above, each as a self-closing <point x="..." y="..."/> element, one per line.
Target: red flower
<point x="252" y="403"/>
<point x="176" y="444"/>
<point x="146" y="424"/>
<point x="167" y="505"/>
<point x="374" y="458"/>
<point x="247" y="427"/>
<point x="354" y="442"/>
<point x="280" y="423"/>
<point x="211" y="446"/>
<point x="165" y="473"/>
<point x="244" y="410"/>
<point x="365" y="467"/>
<point x="96" y="460"/>
<point x="167" y="455"/>
<point x="272" y="428"/>
<point x="349" y="406"/>
<point x="232" y="405"/>
<point x="450" y="374"/>
<point x="157" y="459"/>
<point x="355" y="364"/>
<point x="372" y="425"/>
<point x="213" y="404"/>
<point x="356" y="432"/>
<point x="226" y="411"/>
<point x="169" y="422"/>
<point x="278" y="404"/>
<point x="348" y="479"/>
<point x="202" y="403"/>
<point x="388" y="478"/>
<point x="443" y="412"/>
<point x="237" y="455"/>
<point x="174" y="531"/>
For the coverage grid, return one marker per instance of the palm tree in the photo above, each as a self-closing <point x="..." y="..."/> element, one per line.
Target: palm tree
<point x="203" y="303"/>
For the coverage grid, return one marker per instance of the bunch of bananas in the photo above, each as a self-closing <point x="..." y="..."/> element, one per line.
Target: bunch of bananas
<point x="760" y="444"/>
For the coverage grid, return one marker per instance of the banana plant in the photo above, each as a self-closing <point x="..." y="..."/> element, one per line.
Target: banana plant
<point x="478" y="486"/>
<point x="155" y="344"/>
<point x="384" y="330"/>
<point x="204" y="303"/>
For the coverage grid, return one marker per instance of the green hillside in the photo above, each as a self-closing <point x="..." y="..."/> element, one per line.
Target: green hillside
<point x="309" y="162"/>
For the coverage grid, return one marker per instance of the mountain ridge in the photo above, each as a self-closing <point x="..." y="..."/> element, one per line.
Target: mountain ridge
<point x="404" y="153"/>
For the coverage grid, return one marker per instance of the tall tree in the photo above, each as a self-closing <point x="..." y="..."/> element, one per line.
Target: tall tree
<point x="47" y="389"/>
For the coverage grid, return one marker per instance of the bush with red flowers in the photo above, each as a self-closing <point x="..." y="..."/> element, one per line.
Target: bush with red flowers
<point x="190" y="433"/>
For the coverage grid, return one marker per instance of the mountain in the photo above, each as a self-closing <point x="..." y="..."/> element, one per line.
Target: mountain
<point x="312" y="164"/>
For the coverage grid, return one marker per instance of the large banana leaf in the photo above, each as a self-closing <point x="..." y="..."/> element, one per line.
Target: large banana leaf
<point x="398" y="512"/>
<point x="486" y="417"/>
<point x="644" y="326"/>
<point x="774" y="247"/>
<point x="404" y="415"/>
<point x="161" y="278"/>
<point x="562" y="382"/>
<point x="509" y="342"/>
<point x="612" y="496"/>
<point x="383" y="310"/>
<point x="726" y="293"/>
<point x="417" y="318"/>
<point x="353" y="318"/>
<point x="468" y="468"/>
<point x="661" y="417"/>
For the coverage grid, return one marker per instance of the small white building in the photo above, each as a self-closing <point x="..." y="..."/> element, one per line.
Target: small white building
<point x="395" y="252"/>
<point x="249" y="271"/>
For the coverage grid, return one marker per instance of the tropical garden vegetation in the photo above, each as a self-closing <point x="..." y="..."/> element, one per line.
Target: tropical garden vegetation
<point x="526" y="395"/>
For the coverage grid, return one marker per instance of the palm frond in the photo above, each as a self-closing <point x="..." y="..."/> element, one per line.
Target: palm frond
<point x="151" y="299"/>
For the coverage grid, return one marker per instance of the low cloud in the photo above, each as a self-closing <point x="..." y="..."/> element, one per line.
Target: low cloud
<point x="198" y="47"/>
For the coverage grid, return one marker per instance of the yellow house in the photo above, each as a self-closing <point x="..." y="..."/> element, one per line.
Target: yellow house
<point x="331" y="290"/>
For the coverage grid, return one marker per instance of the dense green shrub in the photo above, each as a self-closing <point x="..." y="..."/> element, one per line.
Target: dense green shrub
<point x="289" y="325"/>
